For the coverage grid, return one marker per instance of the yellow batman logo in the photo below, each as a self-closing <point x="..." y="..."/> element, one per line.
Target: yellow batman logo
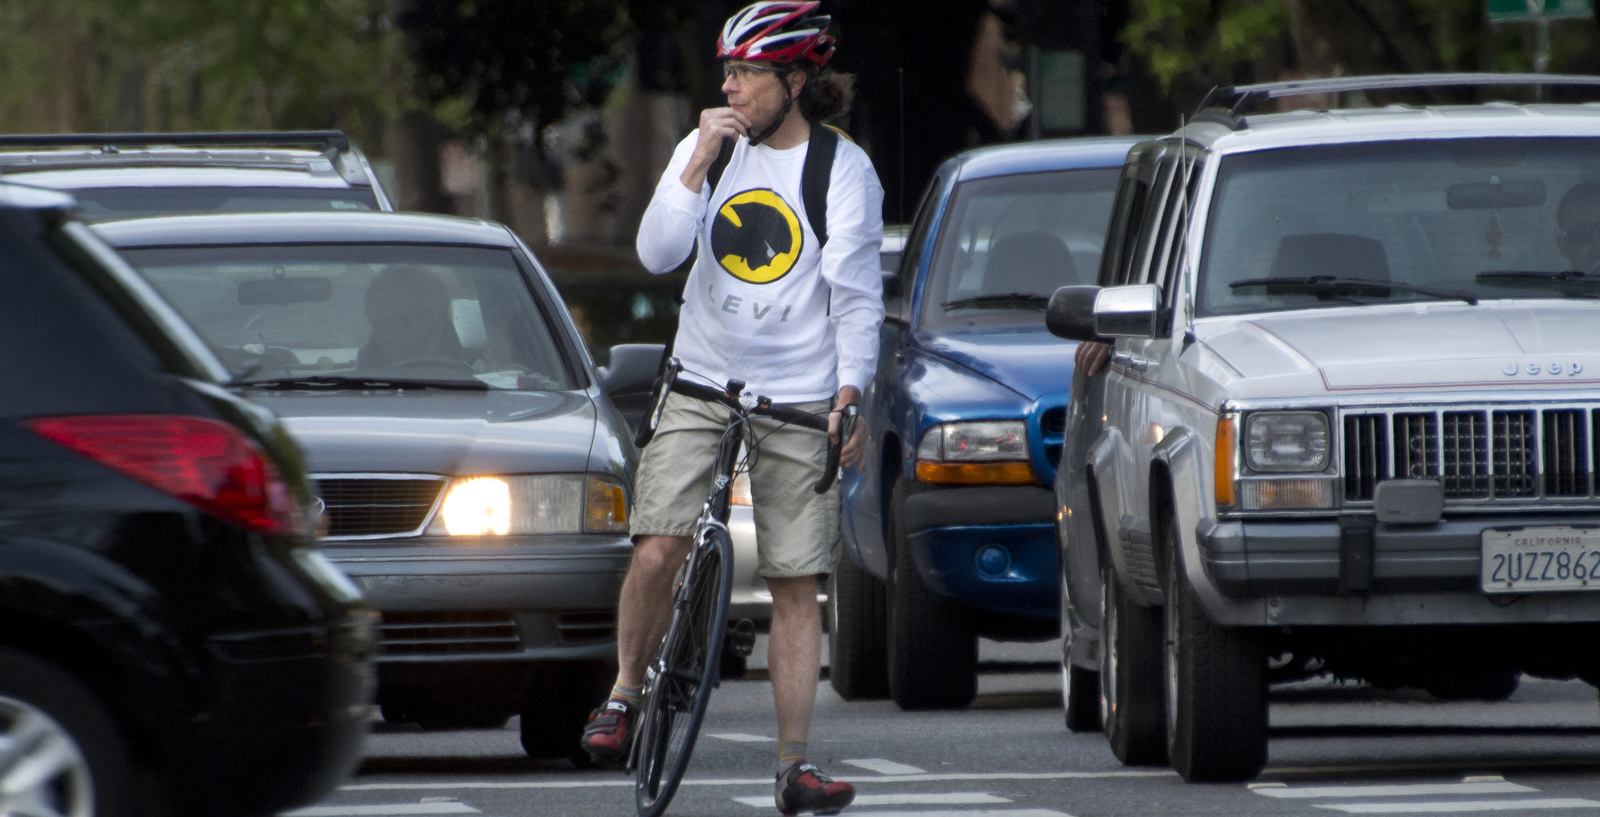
<point x="756" y="236"/>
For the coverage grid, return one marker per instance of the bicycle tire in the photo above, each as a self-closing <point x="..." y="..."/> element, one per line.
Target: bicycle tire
<point x="678" y="687"/>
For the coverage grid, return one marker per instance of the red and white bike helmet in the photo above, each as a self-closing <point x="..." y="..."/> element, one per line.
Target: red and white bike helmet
<point x="780" y="32"/>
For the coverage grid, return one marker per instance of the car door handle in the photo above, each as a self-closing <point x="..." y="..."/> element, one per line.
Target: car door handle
<point x="1129" y="360"/>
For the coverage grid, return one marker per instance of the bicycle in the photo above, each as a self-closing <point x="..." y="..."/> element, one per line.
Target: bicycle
<point x="678" y="682"/>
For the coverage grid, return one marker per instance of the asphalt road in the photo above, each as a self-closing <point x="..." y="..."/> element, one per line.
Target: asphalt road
<point x="1335" y="749"/>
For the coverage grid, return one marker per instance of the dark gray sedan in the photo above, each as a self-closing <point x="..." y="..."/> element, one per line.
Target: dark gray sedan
<point x="476" y="477"/>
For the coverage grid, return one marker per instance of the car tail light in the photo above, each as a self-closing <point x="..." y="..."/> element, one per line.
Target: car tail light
<point x="208" y="464"/>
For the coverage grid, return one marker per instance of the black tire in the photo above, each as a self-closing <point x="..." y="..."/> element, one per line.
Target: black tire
<point x="678" y="686"/>
<point x="1132" y="701"/>
<point x="1216" y="680"/>
<point x="1473" y="686"/>
<point x="858" y="660"/>
<point x="556" y="708"/>
<point x="1080" y="698"/>
<point x="932" y="645"/>
<point x="105" y="783"/>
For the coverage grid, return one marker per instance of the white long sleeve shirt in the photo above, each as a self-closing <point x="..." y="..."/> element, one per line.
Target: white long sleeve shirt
<point x="762" y="303"/>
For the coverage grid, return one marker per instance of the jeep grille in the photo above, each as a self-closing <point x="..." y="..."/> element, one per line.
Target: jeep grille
<point x="1487" y="454"/>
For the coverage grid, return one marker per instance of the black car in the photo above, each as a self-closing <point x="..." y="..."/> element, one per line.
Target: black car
<point x="170" y="640"/>
<point x="475" y="475"/>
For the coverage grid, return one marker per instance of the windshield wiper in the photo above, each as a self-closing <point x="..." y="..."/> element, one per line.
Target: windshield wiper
<point x="1328" y="283"/>
<point x="338" y="382"/>
<point x="1024" y="299"/>
<point x="1539" y="275"/>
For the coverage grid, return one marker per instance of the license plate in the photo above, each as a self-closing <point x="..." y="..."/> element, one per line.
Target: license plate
<point x="1533" y="560"/>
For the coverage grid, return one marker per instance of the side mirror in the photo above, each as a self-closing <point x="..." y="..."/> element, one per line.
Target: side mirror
<point x="893" y="298"/>
<point x="1131" y="311"/>
<point x="1070" y="313"/>
<point x="633" y="368"/>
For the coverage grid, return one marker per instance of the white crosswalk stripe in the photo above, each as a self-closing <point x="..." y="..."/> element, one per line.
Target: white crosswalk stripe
<point x="881" y="766"/>
<point x="969" y="798"/>
<point x="1405" y="790"/>
<point x="740" y="737"/>
<point x="1470" y="786"/>
<point x="1024" y="812"/>
<point x="1460" y="806"/>
<point x="379" y="810"/>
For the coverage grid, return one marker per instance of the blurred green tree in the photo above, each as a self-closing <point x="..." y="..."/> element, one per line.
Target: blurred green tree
<point x="195" y="64"/>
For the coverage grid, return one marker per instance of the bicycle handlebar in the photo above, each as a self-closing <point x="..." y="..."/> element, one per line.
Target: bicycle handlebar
<point x="763" y="407"/>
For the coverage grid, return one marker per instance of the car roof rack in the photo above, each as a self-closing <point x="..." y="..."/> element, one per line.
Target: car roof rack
<point x="312" y="138"/>
<point x="1229" y="104"/>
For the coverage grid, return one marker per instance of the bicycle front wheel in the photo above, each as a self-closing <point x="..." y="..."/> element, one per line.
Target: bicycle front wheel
<point x="678" y="688"/>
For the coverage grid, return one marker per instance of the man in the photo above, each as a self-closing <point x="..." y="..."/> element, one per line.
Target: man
<point x="796" y="317"/>
<point x="1578" y="226"/>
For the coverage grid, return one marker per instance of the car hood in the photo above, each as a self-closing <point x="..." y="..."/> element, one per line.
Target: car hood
<point x="438" y="432"/>
<point x="1029" y="361"/>
<point x="1496" y="343"/>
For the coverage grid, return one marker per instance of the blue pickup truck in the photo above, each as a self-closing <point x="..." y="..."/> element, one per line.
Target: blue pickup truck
<point x="948" y="527"/>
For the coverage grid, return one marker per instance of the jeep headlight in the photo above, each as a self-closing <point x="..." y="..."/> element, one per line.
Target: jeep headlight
<point x="981" y="452"/>
<point x="1278" y="442"/>
<point x="532" y="503"/>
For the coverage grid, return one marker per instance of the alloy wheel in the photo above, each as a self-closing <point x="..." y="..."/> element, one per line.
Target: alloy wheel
<point x="42" y="768"/>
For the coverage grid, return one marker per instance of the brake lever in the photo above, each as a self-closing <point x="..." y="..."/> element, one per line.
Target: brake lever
<point x="830" y="470"/>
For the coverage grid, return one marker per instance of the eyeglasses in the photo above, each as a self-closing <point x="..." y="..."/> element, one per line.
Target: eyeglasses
<point x="744" y="72"/>
<point x="1584" y="232"/>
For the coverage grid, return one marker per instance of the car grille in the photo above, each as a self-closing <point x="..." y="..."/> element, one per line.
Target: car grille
<point x="585" y="627"/>
<point x="373" y="506"/>
<point x="406" y="633"/>
<point x="1481" y="454"/>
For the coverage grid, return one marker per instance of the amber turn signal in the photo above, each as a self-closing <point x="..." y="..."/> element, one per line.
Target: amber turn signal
<point x="975" y="473"/>
<point x="1227" y="450"/>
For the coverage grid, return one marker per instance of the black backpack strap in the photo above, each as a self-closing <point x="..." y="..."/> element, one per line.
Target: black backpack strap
<point x="724" y="156"/>
<point x="814" y="176"/>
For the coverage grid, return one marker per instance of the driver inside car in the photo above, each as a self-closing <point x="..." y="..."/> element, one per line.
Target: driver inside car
<point x="408" y="309"/>
<point x="1578" y="226"/>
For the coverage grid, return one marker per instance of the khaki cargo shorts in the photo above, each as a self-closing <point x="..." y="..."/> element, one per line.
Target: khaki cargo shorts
<point x="796" y="530"/>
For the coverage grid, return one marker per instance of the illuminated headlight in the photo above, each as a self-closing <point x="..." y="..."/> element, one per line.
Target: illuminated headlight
<point x="539" y="503"/>
<point x="1286" y="441"/>
<point x="992" y="452"/>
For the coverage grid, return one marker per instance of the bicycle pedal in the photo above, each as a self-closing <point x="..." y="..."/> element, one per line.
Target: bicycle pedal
<point x="742" y="637"/>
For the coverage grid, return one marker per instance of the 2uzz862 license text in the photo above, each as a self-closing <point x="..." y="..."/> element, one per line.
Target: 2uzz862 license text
<point x="1540" y="559"/>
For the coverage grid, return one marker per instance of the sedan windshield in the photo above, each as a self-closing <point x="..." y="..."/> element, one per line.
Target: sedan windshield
<point x="1453" y="220"/>
<point x="362" y="316"/>
<point x="1009" y="242"/>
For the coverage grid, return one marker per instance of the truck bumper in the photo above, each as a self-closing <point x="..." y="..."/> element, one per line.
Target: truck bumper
<point x="1307" y="573"/>
<point x="990" y="548"/>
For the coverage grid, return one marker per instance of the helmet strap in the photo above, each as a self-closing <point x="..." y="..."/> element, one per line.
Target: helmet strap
<point x="788" y="102"/>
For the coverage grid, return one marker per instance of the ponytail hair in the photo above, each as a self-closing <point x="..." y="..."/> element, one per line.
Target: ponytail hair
<point x="826" y="94"/>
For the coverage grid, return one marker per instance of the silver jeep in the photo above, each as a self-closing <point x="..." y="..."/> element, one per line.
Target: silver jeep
<point x="1350" y="419"/>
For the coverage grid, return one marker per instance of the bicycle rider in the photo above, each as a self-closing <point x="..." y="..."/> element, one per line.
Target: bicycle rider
<point x="800" y="325"/>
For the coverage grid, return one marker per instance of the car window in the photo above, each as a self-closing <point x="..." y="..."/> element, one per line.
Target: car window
<point x="107" y="203"/>
<point x="1135" y="193"/>
<point x="1024" y="235"/>
<point x="402" y="311"/>
<point x="1179" y="207"/>
<point x="1148" y="242"/>
<point x="1475" y="216"/>
<point x="926" y="211"/>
